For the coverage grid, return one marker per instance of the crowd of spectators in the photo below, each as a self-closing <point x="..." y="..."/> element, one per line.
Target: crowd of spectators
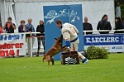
<point x="9" y="27"/>
<point x="103" y="24"/>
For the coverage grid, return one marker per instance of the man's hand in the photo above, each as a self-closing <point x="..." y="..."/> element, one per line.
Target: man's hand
<point x="14" y="27"/>
<point x="68" y="49"/>
<point x="67" y="43"/>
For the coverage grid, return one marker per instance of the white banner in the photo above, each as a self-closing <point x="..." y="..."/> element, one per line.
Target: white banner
<point x="111" y="42"/>
<point x="110" y="48"/>
<point x="12" y="45"/>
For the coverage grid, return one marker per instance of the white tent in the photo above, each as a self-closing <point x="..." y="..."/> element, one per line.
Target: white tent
<point x="6" y="10"/>
<point x="24" y="9"/>
<point x="1" y="10"/>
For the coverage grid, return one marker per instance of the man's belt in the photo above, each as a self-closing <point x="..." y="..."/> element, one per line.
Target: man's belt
<point x="74" y="39"/>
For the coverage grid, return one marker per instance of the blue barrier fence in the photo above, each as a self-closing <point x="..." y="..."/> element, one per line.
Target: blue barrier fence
<point x="112" y="42"/>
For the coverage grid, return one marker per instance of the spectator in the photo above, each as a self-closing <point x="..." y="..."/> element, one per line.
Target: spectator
<point x="40" y="28"/>
<point x="87" y="26"/>
<point x="22" y="27"/>
<point x="30" y="28"/>
<point x="104" y="24"/>
<point x="1" y="30"/>
<point x="9" y="27"/>
<point x="118" y="25"/>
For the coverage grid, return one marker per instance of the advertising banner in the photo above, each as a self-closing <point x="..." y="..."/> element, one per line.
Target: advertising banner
<point x="12" y="45"/>
<point x="112" y="42"/>
<point x="67" y="13"/>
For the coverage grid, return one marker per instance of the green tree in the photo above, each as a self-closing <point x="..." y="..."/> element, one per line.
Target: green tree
<point x="122" y="7"/>
<point x="122" y="11"/>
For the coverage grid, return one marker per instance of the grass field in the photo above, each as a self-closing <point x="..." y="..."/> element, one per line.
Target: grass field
<point x="28" y="69"/>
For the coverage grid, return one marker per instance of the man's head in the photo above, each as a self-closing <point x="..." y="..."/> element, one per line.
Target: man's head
<point x="85" y="19"/>
<point x="9" y="19"/>
<point x="105" y="17"/>
<point x="59" y="23"/>
<point x="29" y="20"/>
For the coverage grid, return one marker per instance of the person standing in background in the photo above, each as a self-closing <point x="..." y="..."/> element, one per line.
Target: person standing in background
<point x="118" y="25"/>
<point x="1" y="30"/>
<point x="87" y="26"/>
<point x="22" y="27"/>
<point x="40" y="28"/>
<point x="9" y="27"/>
<point x="104" y="24"/>
<point x="30" y="28"/>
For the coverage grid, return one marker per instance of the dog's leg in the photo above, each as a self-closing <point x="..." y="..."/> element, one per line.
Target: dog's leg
<point x="48" y="59"/>
<point x="48" y="62"/>
<point x="52" y="60"/>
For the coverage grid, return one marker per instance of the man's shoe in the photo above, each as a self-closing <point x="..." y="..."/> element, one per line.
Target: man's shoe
<point x="85" y="61"/>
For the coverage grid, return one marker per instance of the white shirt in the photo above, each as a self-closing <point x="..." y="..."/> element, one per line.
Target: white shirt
<point x="69" y="31"/>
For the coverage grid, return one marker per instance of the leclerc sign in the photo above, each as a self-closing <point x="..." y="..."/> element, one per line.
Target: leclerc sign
<point x="113" y="42"/>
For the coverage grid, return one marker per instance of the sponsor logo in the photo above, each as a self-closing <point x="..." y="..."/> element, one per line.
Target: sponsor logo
<point x="117" y="47"/>
<point x="113" y="47"/>
<point x="102" y="39"/>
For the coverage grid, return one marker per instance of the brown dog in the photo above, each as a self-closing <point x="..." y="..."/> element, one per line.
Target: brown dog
<point x="55" y="49"/>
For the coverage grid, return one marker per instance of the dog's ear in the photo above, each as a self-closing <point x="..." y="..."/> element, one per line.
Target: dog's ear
<point x="61" y="36"/>
<point x="55" y="38"/>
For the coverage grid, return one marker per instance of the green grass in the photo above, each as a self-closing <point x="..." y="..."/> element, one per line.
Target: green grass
<point x="34" y="70"/>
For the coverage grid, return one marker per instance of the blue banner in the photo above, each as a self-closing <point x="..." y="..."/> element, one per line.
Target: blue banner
<point x="109" y="39"/>
<point x="11" y="37"/>
<point x="67" y="13"/>
<point x="75" y="18"/>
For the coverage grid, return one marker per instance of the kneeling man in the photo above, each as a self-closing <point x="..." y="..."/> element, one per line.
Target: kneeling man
<point x="70" y="35"/>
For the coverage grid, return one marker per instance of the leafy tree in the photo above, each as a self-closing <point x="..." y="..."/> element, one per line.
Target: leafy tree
<point x="121" y="2"/>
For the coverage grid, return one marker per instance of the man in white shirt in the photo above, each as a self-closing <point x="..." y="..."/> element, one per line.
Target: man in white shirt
<point x="70" y="35"/>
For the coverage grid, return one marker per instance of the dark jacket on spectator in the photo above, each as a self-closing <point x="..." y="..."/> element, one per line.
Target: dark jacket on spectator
<point x="123" y="24"/>
<point x="40" y="28"/>
<point x="104" y="25"/>
<point x="20" y="29"/>
<point x="118" y="25"/>
<point x="86" y="27"/>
